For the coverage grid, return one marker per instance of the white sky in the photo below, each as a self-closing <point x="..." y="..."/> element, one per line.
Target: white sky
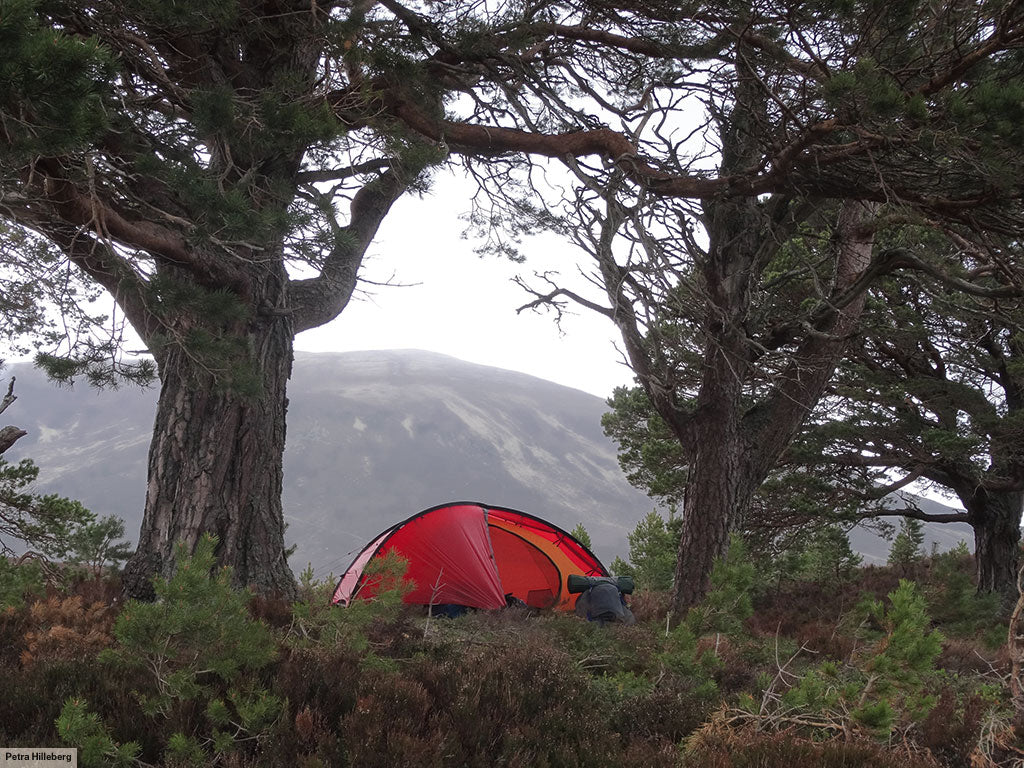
<point x="465" y="306"/>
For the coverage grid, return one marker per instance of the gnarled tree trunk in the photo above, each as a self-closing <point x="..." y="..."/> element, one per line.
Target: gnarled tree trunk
<point x="215" y="462"/>
<point x="734" y="445"/>
<point x="720" y="487"/>
<point x="995" y="518"/>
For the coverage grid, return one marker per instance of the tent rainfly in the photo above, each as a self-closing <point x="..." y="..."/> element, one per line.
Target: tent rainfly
<point x="465" y="553"/>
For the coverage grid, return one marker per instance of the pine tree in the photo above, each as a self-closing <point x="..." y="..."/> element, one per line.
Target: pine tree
<point x="906" y="548"/>
<point x="219" y="169"/>
<point x="652" y="552"/>
<point x="931" y="392"/>
<point x="46" y="522"/>
<point x="829" y="558"/>
<point x="581" y="535"/>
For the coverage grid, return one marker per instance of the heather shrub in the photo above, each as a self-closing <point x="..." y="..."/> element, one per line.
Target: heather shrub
<point x="661" y="713"/>
<point x="391" y="724"/>
<point x="650" y="754"/>
<point x="521" y="704"/>
<point x="320" y="685"/>
<point x="199" y="681"/>
<point x="275" y="612"/>
<point x="650" y="605"/>
<point x="105" y="588"/>
<point x="324" y="679"/>
<point x="29" y="717"/>
<point x="974" y="656"/>
<point x="66" y="628"/>
<point x="543" y="711"/>
<point x="13" y="624"/>
<point x="827" y="639"/>
<point x="737" y="662"/>
<point x="953" y="727"/>
<point x="720" y="746"/>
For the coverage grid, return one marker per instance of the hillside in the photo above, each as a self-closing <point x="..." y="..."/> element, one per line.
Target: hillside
<point x="372" y="438"/>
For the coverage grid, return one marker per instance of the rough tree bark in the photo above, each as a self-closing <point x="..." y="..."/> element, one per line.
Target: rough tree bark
<point x="215" y="467"/>
<point x="995" y="518"/>
<point x="216" y="459"/>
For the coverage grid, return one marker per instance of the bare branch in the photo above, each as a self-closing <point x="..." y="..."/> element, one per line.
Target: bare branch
<point x="10" y="397"/>
<point x="550" y="299"/>
<point x="340" y="174"/>
<point x="916" y="514"/>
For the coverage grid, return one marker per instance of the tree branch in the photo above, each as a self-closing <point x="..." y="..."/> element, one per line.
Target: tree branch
<point x="902" y="258"/>
<point x="340" y="174"/>
<point x="320" y="299"/>
<point x="9" y="436"/>
<point x="550" y="299"/>
<point x="777" y="418"/>
<point x="90" y="212"/>
<point x="115" y="273"/>
<point x="9" y="398"/>
<point x="944" y="517"/>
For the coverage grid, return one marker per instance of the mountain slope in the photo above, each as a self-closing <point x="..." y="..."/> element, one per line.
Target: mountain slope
<point x="374" y="437"/>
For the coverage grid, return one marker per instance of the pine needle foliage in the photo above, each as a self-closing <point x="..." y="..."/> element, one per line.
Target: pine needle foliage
<point x="652" y="552"/>
<point x="315" y="621"/>
<point x="45" y="521"/>
<point x="907" y="546"/>
<point x="17" y="582"/>
<point x="196" y="637"/>
<point x="885" y="684"/>
<point x="96" y="748"/>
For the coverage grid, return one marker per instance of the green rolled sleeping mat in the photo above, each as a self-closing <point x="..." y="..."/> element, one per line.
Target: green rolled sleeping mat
<point x="578" y="583"/>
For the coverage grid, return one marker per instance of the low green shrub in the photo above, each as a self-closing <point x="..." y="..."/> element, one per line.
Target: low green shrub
<point x="885" y="682"/>
<point x="18" y="581"/>
<point x="197" y="652"/>
<point x="729" y="603"/>
<point x="315" y="621"/>
<point x="77" y="725"/>
<point x="955" y="604"/>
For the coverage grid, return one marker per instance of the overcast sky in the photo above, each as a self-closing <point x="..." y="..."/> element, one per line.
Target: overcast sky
<point x="463" y="305"/>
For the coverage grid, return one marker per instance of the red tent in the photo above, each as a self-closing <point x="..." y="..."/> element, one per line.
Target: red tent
<point x="469" y="554"/>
